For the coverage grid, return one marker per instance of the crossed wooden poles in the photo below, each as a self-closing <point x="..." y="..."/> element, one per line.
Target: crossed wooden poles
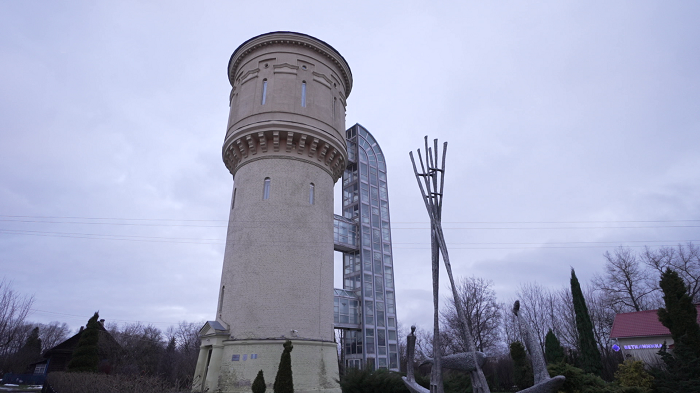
<point x="431" y="180"/>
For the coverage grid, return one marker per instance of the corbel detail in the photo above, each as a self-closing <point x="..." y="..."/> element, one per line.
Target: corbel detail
<point x="244" y="153"/>
<point x="331" y="156"/>
<point x="312" y="148"/>
<point x="276" y="140"/>
<point x="290" y="138"/>
<point x="262" y="141"/>
<point x="324" y="149"/>
<point x="251" y="144"/>
<point x="302" y="144"/>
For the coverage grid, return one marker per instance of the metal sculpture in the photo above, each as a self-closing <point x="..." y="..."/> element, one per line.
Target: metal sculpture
<point x="543" y="383"/>
<point x="431" y="180"/>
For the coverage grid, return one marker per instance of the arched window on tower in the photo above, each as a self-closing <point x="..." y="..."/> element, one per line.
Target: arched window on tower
<point x="303" y="94"/>
<point x="311" y="194"/>
<point x="264" y="91"/>
<point x="266" y="188"/>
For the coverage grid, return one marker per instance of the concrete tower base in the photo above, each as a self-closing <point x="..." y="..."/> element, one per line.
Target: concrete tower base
<point x="314" y="366"/>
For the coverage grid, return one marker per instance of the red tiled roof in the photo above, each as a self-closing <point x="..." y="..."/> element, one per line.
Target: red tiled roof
<point x="640" y="324"/>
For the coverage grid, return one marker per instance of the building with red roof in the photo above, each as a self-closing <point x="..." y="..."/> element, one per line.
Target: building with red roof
<point x="640" y="334"/>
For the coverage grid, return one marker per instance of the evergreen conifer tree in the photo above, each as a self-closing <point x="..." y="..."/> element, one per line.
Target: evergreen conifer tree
<point x="553" y="350"/>
<point x="283" y="381"/>
<point x="259" y="383"/>
<point x="86" y="357"/>
<point x="589" y="356"/>
<point x="679" y="315"/>
<point x="522" y="369"/>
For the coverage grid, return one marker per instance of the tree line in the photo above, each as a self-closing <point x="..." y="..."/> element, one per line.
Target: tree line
<point x="169" y="355"/>
<point x="630" y="281"/>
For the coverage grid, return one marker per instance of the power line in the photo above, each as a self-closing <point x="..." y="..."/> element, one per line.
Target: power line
<point x="576" y="242"/>
<point x="105" y="218"/>
<point x="519" y="245"/>
<point x="37" y="219"/>
<point x="394" y="227"/>
<point x="520" y="228"/>
<point x="73" y="235"/>
<point x="114" y="223"/>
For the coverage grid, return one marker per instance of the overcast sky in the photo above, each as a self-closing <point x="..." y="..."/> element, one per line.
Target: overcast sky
<point x="573" y="128"/>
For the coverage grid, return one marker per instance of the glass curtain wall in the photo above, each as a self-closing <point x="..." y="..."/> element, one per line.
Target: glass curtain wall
<point x="369" y="273"/>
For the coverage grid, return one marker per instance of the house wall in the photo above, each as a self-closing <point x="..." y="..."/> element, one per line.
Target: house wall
<point x="643" y="348"/>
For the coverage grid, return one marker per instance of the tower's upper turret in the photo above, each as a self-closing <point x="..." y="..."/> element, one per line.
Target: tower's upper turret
<point x="288" y="99"/>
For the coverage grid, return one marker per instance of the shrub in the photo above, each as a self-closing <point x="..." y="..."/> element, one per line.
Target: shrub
<point x="284" y="382"/>
<point x="259" y="383"/>
<point x="522" y="369"/>
<point x="631" y="373"/>
<point x="553" y="350"/>
<point x="86" y="356"/>
<point x="578" y="381"/>
<point x="87" y="382"/>
<point x="380" y="381"/>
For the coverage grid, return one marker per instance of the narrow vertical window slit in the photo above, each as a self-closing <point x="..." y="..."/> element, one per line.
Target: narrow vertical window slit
<point x="266" y="188"/>
<point x="311" y="194"/>
<point x="303" y="94"/>
<point x="221" y="299"/>
<point x="264" y="91"/>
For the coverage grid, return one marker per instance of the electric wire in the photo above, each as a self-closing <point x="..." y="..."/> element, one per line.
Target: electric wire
<point x="169" y="222"/>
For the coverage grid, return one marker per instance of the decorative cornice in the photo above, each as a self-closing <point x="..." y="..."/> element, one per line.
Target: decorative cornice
<point x="322" y="79"/>
<point x="288" y="37"/>
<point x="288" y="142"/>
<point x="249" y="75"/>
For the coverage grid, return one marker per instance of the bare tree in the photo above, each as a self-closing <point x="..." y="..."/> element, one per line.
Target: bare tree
<point x="424" y="345"/>
<point x="565" y="323"/>
<point x="627" y="285"/>
<point x="685" y="260"/>
<point x="602" y="317"/>
<point x="52" y="334"/>
<point x="482" y="314"/>
<point x="13" y="311"/>
<point x="186" y="334"/>
<point x="510" y="331"/>
<point x="538" y="307"/>
<point x="142" y="346"/>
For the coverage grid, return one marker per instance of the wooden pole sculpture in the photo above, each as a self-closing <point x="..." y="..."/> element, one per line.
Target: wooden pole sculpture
<point x="431" y="182"/>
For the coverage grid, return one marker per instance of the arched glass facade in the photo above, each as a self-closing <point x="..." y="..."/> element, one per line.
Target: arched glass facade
<point x="368" y="270"/>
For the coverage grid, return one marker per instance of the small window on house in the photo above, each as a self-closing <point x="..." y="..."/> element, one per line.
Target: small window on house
<point x="303" y="94"/>
<point x="311" y="194"/>
<point x="264" y="91"/>
<point x="266" y="188"/>
<point x="233" y="200"/>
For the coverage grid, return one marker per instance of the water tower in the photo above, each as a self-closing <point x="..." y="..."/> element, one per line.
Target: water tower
<point x="285" y="146"/>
